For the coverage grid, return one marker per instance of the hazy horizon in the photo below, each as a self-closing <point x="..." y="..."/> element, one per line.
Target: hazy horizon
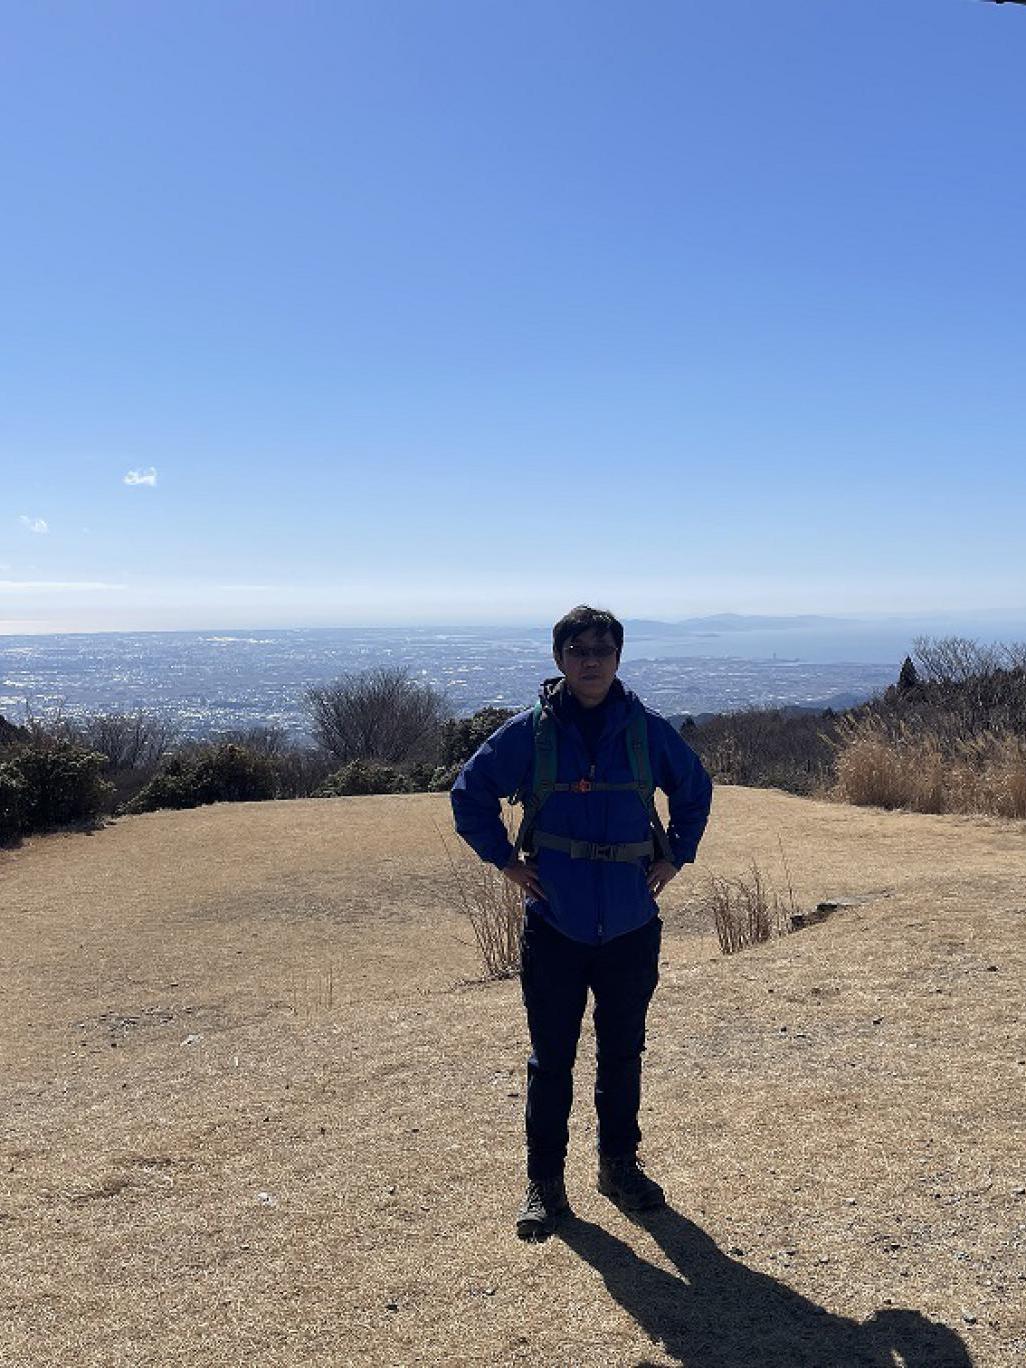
<point x="822" y="637"/>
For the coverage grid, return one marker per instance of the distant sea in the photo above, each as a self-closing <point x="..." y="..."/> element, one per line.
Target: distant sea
<point x="215" y="681"/>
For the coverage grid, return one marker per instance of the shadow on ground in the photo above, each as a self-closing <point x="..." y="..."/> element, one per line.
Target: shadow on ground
<point x="719" y="1314"/>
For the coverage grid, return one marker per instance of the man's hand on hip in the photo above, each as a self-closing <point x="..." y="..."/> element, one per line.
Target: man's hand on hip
<point x="659" y="875"/>
<point x="524" y="873"/>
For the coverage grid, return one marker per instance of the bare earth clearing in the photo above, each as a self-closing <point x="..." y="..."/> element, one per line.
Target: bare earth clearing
<point x="254" y="1112"/>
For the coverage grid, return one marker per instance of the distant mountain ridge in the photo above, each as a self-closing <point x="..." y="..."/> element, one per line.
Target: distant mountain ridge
<point x="838" y="702"/>
<point x="737" y="622"/>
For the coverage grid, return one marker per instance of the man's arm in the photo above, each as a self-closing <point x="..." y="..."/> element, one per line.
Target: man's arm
<point x="495" y="770"/>
<point x="678" y="771"/>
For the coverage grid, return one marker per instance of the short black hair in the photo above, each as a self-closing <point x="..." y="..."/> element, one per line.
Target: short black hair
<point x="579" y="620"/>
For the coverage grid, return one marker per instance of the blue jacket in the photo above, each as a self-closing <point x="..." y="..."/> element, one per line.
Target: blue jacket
<point x="588" y="900"/>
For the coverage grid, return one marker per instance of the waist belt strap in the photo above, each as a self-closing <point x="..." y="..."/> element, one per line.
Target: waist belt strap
<point x="625" y="852"/>
<point x="594" y="786"/>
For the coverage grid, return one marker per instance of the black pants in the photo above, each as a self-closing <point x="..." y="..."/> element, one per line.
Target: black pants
<point x="556" y="974"/>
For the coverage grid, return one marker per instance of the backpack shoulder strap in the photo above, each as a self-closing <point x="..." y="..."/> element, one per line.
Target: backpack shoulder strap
<point x="546" y="752"/>
<point x="637" y="751"/>
<point x="543" y="773"/>
<point x="641" y="768"/>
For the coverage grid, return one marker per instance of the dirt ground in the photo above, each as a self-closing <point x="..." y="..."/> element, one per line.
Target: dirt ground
<point x="256" y="1106"/>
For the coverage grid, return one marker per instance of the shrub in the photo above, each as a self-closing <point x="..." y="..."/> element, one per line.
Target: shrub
<point x="173" y="786"/>
<point x="949" y="736"/>
<point x="47" y="781"/>
<point x="10" y="734"/>
<point x="461" y="736"/>
<point x="747" y="911"/>
<point x="953" y="739"/>
<point x="364" y="777"/>
<point x="298" y="771"/>
<point x="443" y="778"/>
<point x="955" y="660"/>
<point x="419" y="776"/>
<point x="459" y="739"/>
<point x="767" y="748"/>
<point x="230" y="773"/>
<point x="495" y="909"/>
<point x="12" y="790"/>
<point x="384" y="715"/>
<point x="132" y="744"/>
<point x="127" y="741"/>
<point x="218" y="772"/>
<point x="261" y="739"/>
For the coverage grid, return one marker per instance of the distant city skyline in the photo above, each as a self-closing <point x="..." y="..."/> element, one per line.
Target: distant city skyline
<point x="349" y="315"/>
<point x="210" y="681"/>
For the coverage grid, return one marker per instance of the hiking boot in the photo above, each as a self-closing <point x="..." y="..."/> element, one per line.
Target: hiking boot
<point x="622" y="1180"/>
<point x="544" y="1202"/>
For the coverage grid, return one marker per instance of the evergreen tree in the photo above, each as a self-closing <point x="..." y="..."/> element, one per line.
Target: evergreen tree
<point x="908" y="679"/>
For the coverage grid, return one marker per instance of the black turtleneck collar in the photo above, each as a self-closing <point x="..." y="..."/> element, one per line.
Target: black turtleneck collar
<point x="588" y="721"/>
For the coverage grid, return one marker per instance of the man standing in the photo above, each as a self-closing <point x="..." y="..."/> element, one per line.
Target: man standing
<point x="591" y="859"/>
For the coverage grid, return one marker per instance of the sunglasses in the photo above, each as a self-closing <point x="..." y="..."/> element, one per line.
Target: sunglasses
<point x="579" y="652"/>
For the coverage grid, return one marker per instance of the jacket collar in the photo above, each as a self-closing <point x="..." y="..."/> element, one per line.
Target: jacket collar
<point x="557" y="699"/>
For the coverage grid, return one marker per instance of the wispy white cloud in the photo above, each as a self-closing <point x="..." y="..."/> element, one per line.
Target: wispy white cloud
<point x="39" y="525"/>
<point x="140" y="477"/>
<point x="54" y="586"/>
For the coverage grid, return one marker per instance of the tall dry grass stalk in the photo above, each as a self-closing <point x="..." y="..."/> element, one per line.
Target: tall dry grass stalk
<point x="311" y="992"/>
<point x="746" y="910"/>
<point x="495" y="909"/>
<point x="879" y="766"/>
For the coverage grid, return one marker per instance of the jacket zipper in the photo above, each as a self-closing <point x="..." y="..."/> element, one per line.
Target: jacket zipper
<point x="600" y="927"/>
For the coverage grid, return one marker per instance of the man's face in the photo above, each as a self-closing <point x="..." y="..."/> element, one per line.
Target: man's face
<point x="589" y="662"/>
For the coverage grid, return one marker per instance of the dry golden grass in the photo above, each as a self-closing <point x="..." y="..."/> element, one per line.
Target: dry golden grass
<point x="257" y="1111"/>
<point x="918" y="770"/>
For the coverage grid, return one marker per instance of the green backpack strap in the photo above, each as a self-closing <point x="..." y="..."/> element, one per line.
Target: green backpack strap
<point x="641" y="768"/>
<point x="545" y="768"/>
<point x="543" y="774"/>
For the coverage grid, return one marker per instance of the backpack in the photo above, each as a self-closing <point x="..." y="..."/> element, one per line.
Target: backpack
<point x="543" y="784"/>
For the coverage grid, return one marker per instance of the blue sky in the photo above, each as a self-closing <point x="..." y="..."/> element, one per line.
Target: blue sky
<point x="410" y="312"/>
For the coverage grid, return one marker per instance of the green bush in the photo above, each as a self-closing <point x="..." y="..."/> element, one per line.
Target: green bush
<point x="444" y="777"/>
<point x="229" y="773"/>
<point x="48" y="781"/>
<point x="419" y="776"/>
<point x="460" y="737"/>
<point x="220" y="772"/>
<point x="363" y="777"/>
<point x="12" y="789"/>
